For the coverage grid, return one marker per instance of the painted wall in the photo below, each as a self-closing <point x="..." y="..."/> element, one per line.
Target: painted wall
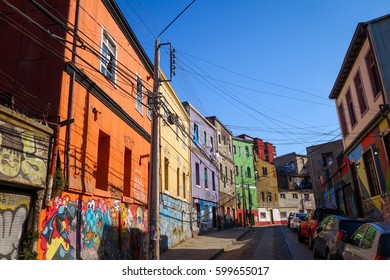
<point x="175" y="221"/>
<point x="105" y="229"/>
<point x="14" y="209"/>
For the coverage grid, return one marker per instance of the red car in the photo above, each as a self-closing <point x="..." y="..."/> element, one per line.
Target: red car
<point x="308" y="227"/>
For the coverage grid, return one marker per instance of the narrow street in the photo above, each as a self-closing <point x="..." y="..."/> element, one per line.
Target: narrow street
<point x="267" y="243"/>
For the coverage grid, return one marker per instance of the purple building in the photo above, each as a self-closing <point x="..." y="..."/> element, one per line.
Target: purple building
<point x="204" y="173"/>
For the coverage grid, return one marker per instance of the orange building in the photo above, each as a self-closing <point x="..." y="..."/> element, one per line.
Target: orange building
<point x="83" y="59"/>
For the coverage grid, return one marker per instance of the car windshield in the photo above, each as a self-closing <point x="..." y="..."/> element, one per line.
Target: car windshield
<point x="301" y="216"/>
<point x="384" y="247"/>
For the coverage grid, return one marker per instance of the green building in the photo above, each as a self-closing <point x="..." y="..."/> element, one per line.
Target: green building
<point x="245" y="180"/>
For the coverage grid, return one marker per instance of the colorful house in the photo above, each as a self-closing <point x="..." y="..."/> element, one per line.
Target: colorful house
<point x="247" y="204"/>
<point x="175" y="204"/>
<point x="361" y="94"/>
<point x="83" y="58"/>
<point x="205" y="183"/>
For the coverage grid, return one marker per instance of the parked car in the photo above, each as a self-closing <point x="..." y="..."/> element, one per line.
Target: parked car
<point x="370" y="241"/>
<point x="296" y="220"/>
<point x="328" y="240"/>
<point x="308" y="227"/>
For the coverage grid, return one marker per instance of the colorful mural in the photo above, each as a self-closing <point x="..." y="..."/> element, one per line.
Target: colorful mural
<point x="23" y="156"/>
<point x="92" y="228"/>
<point x="14" y="208"/>
<point x="175" y="221"/>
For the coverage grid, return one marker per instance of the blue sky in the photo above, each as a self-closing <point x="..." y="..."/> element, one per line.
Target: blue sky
<point x="264" y="68"/>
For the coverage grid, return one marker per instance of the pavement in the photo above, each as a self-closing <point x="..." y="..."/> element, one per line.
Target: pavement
<point x="205" y="247"/>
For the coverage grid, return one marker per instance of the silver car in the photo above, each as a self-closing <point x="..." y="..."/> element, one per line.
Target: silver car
<point x="296" y="219"/>
<point x="370" y="241"/>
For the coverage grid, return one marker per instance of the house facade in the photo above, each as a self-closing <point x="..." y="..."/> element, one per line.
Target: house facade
<point x="247" y="204"/>
<point x="320" y="159"/>
<point x="225" y="163"/>
<point x="294" y="183"/>
<point x="175" y="161"/>
<point x="361" y="94"/>
<point x="97" y="89"/>
<point x="205" y="184"/>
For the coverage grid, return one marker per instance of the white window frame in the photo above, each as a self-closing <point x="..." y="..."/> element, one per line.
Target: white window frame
<point x="138" y="97"/>
<point x="109" y="44"/>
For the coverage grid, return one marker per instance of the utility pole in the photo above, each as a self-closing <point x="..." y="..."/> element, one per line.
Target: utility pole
<point x="154" y="176"/>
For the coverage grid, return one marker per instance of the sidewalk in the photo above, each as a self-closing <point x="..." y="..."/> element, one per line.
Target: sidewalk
<point x="204" y="247"/>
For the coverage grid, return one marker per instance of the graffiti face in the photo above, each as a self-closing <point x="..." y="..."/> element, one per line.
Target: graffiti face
<point x="10" y="162"/>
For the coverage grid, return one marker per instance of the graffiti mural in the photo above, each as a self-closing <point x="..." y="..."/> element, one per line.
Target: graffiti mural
<point x="23" y="155"/>
<point x="175" y="221"/>
<point x="13" y="213"/>
<point x="107" y="229"/>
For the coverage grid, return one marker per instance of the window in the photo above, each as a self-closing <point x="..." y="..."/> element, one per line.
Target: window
<point x="344" y="129"/>
<point x="138" y="104"/>
<point x="265" y="171"/>
<point x="184" y="185"/>
<point x="213" y="179"/>
<point x="196" y="133"/>
<point x="369" y="238"/>
<point x="197" y="174"/>
<point x="283" y="196"/>
<point x="306" y="195"/>
<point x="386" y="141"/>
<point x="103" y="157"/>
<point x="351" y="111"/>
<point x="262" y="196"/>
<point x="204" y="138"/>
<point x="166" y="174"/>
<point x="108" y="59"/>
<point x="224" y="140"/>
<point x="226" y="176"/>
<point x="205" y="179"/>
<point x="269" y="197"/>
<point x="178" y="182"/>
<point x="371" y="173"/>
<point x="231" y="176"/>
<point x="127" y="173"/>
<point x="248" y="172"/>
<point x="374" y="74"/>
<point x="327" y="159"/>
<point x="236" y="170"/>
<point x="234" y="149"/>
<point x="361" y="95"/>
<point x="247" y="151"/>
<point x="358" y="236"/>
<point x="219" y="138"/>
<point x="295" y="195"/>
<point x="211" y="144"/>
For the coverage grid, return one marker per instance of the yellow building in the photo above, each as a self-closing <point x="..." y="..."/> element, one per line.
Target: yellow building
<point x="267" y="192"/>
<point x="175" y="206"/>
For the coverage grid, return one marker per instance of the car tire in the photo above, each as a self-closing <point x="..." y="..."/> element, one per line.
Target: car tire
<point x="300" y="237"/>
<point x="315" y="253"/>
<point x="311" y="241"/>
